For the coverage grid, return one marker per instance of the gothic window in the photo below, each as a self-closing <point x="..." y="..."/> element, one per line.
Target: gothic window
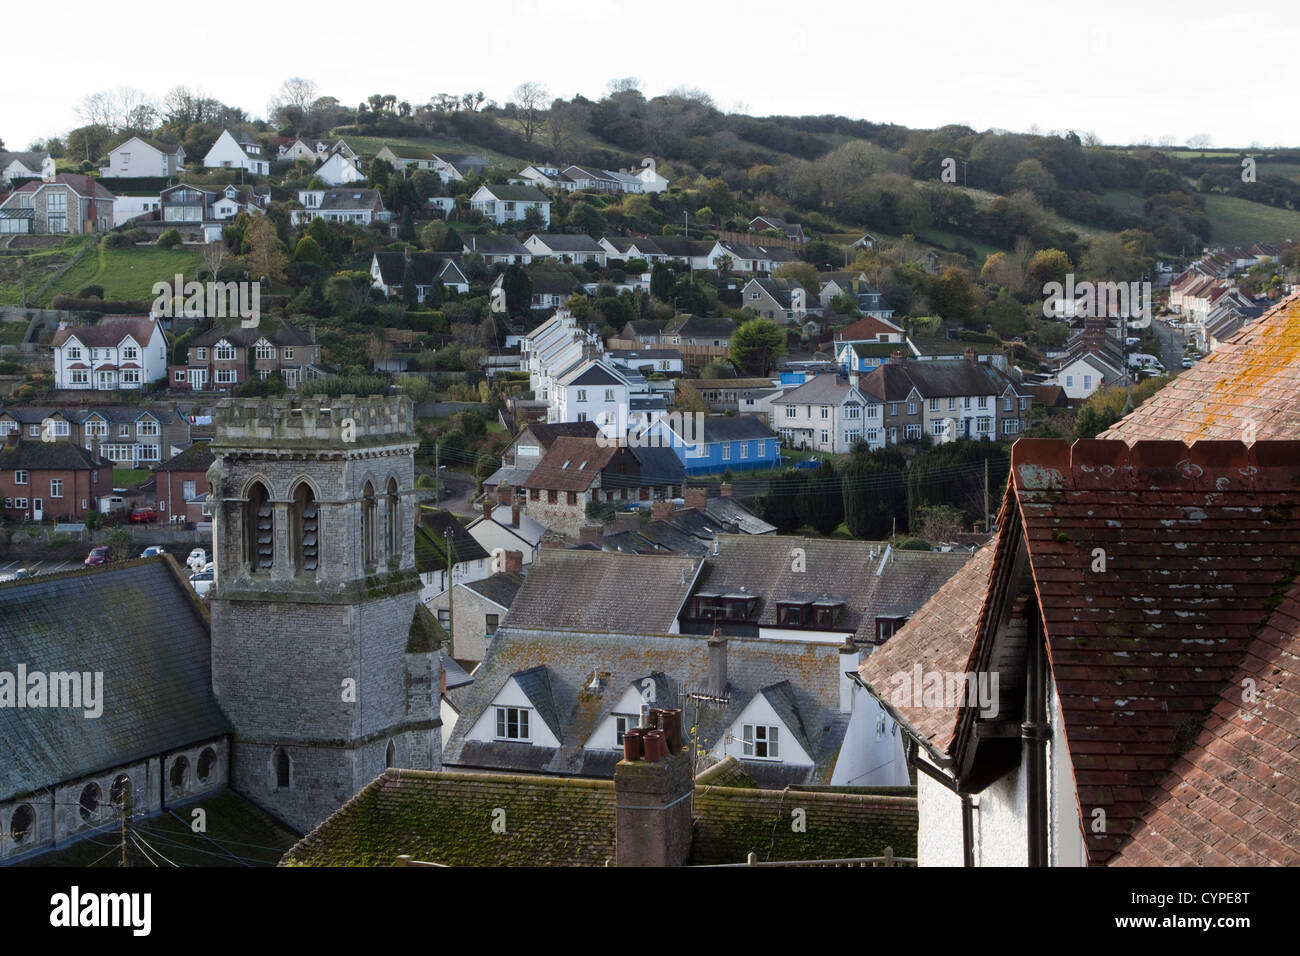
<point x="120" y="790"/>
<point x="282" y="769"/>
<point x="392" y="527"/>
<point x="304" y="530"/>
<point x="90" y="800"/>
<point x="390" y="755"/>
<point x="23" y="823"/>
<point x="259" y="523"/>
<point x="207" y="760"/>
<point x="368" y="526"/>
<point x="180" y="774"/>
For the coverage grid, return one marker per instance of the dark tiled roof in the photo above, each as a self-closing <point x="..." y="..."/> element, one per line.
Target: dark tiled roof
<point x="659" y="466"/>
<point x="1234" y="798"/>
<point x="425" y="266"/>
<point x="49" y="456"/>
<point x="108" y="332"/>
<point x="700" y="326"/>
<point x="138" y="625"/>
<point x="595" y="591"/>
<point x="1248" y="388"/>
<point x="733" y="512"/>
<point x="351" y="198"/>
<point x="198" y="457"/>
<point x="281" y="333"/>
<point x="517" y="193"/>
<point x="431" y="542"/>
<point x="457" y="676"/>
<point x="564" y="242"/>
<point x="495" y="246"/>
<point x="500" y="588"/>
<point x="726" y="428"/>
<point x="536" y="686"/>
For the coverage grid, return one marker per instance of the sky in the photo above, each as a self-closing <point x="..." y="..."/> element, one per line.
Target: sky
<point x="1130" y="72"/>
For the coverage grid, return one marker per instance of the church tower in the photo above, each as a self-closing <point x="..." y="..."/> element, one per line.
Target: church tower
<point x="323" y="657"/>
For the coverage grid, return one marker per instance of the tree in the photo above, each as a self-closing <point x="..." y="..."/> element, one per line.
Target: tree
<point x="939" y="523"/>
<point x="874" y="492"/>
<point x="1048" y="265"/>
<point x="307" y="250"/>
<point x="780" y="506"/>
<point x="406" y="232"/>
<point x="518" y="287"/>
<point x="688" y="399"/>
<point x="266" y="256"/>
<point x="952" y="295"/>
<point x="530" y="105"/>
<point x="821" y="506"/>
<point x="802" y="272"/>
<point x="662" y="280"/>
<point x="410" y="294"/>
<point x="213" y="256"/>
<point x="756" y="345"/>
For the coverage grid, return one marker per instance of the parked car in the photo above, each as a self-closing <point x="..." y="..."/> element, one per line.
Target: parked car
<point x="1187" y="363"/>
<point x="143" y="515"/>
<point x="202" y="581"/>
<point x="98" y="555"/>
<point x="152" y="550"/>
<point x="197" y="559"/>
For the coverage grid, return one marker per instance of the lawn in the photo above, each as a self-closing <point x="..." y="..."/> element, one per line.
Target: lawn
<point x="126" y="273"/>
<point x="30" y="270"/>
<point x="125" y="477"/>
<point x="1241" y="222"/>
<point x="369" y="145"/>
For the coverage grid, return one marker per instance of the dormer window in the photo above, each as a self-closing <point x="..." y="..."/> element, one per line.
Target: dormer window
<point x="762" y="741"/>
<point x="886" y="626"/>
<point x="793" y="613"/>
<point x="512" y="723"/>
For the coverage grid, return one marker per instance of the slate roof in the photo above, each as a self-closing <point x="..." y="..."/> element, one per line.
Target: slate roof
<point x="430" y="541"/>
<point x="624" y="659"/>
<point x="1232" y="800"/>
<point x="728" y="509"/>
<point x="457" y="676"/>
<point x="546" y="433"/>
<point x="426" y="266"/>
<point x="836" y="571"/>
<point x="941" y="638"/>
<point x="659" y="466"/>
<point x="350" y="198"/>
<point x="516" y="193"/>
<point x="827" y="389"/>
<point x="32" y="159"/>
<point x="495" y="246"/>
<point x="529" y="530"/>
<point x="566" y="242"/>
<point x="49" y="456"/>
<point x="729" y="428"/>
<point x="83" y="186"/>
<point x="198" y="457"/>
<point x="701" y="326"/>
<point x="150" y="641"/>
<point x="591" y="591"/>
<point x="108" y="332"/>
<point x="1248" y="388"/>
<point x="559" y="821"/>
<point x="499" y="588"/>
<point x="280" y="333"/>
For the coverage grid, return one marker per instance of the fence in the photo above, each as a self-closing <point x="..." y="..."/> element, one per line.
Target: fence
<point x="872" y="861"/>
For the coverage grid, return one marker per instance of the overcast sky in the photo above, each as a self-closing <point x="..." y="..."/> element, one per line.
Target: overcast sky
<point x="1129" y="71"/>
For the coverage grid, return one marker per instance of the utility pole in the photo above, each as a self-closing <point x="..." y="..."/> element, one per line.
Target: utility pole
<point x="451" y="594"/>
<point x="437" y="477"/>
<point x="126" y="826"/>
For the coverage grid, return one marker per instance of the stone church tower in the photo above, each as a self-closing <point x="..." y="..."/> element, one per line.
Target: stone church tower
<point x="323" y="657"/>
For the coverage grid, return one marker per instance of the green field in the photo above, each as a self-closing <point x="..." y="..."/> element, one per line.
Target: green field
<point x="1240" y="222"/>
<point x="369" y="145"/>
<point x="125" y="273"/>
<point x="30" y="271"/>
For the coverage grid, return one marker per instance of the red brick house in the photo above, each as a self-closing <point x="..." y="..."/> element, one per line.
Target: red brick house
<point x="50" y="479"/>
<point x="181" y="483"/>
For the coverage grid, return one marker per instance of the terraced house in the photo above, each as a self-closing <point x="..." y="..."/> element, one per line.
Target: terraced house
<point x="69" y="203"/>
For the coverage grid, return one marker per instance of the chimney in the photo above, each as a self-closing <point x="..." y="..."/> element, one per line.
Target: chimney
<point x="725" y="489"/>
<point x="515" y="563"/>
<point x="626" y="522"/>
<point x="970" y="354"/>
<point x="488" y="505"/>
<point x="514" y="513"/>
<point x="653" y="789"/>
<point x="552" y="544"/>
<point x="504" y="493"/>
<point x="849" y="658"/>
<point x="896" y="358"/>
<point x="661" y="510"/>
<point x="591" y="534"/>
<point x="696" y="497"/>
<point x="717" y="664"/>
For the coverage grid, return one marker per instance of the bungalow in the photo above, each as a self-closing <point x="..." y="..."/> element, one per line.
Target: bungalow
<point x="723" y="443"/>
<point x="68" y="203"/>
<point x="388" y="272"/>
<point x="407" y="157"/>
<point x="240" y="151"/>
<point x="739" y="257"/>
<point x="1086" y="373"/>
<point x="575" y="249"/>
<point x="360" y="206"/>
<point x="791" y="230"/>
<point x="502" y="204"/>
<point x="144" y="157"/>
<point x="551" y="290"/>
<point x="497" y="250"/>
<point x="117" y="352"/>
<point x="28" y="165"/>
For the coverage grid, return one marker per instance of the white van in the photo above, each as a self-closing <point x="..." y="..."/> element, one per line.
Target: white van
<point x="1144" y="360"/>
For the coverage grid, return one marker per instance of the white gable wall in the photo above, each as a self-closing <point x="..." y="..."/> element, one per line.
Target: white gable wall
<point x="605" y="736"/>
<point x="511" y="695"/>
<point x="872" y="754"/>
<point x="759" y="711"/>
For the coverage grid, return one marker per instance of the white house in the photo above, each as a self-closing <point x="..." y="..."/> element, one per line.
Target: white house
<point x="651" y="180"/>
<point x="144" y="157"/>
<point x="360" y="206"/>
<point x="388" y="271"/>
<point x="507" y="528"/>
<point x="337" y="170"/>
<point x="502" y="204"/>
<point x="118" y="352"/>
<point x="237" y="152"/>
<point x="826" y="414"/>
<point x="575" y="249"/>
<point x="1087" y="373"/>
<point x="28" y="165"/>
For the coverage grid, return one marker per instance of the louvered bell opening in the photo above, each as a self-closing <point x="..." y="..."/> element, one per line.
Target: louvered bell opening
<point x="309" y="513"/>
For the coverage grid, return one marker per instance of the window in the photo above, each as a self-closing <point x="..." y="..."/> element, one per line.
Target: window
<point x="392" y="522"/>
<point x="1011" y="426"/>
<point x="225" y="376"/>
<point x="984" y="424"/>
<point x="965" y="402"/>
<point x="282" y="769"/>
<point x="571" y="497"/>
<point x="259" y="522"/>
<point x="744" y="449"/>
<point x="726" y="451"/>
<point x="7" y="427"/>
<point x="582" y="395"/>
<point x="938" y="426"/>
<point x="74" y="352"/>
<point x="96" y="429"/>
<point x="146" y="428"/>
<point x="304" y="527"/>
<point x="609" y="394"/>
<point x="124" y="431"/>
<point x="33" y="431"/>
<point x="180" y="774"/>
<point x="130" y="354"/>
<point x="120" y="790"/>
<point x="762" y="741"/>
<point x="826" y="436"/>
<point x="873" y="435"/>
<point x="1087" y="381"/>
<point x="224" y="353"/>
<point x="512" y="723"/>
<point x="369" y="556"/>
<point x="288" y="353"/>
<point x="826" y="411"/>
<point x="552" y="497"/>
<point x="984" y="401"/>
<point x="789" y="411"/>
<point x="207" y="760"/>
<point x="1069" y="381"/>
<point x="490" y="625"/>
<point x="911" y="408"/>
<point x="90" y="800"/>
<point x="20" y="477"/>
<point x="23" y="823"/>
<point x="20" y="504"/>
<point x="852" y="411"/>
<point x="934" y="404"/>
<point x="952" y="404"/>
<point x="202" y="354"/>
<point x="893" y="408"/>
<point x="188" y="490"/>
<point x="79" y="377"/>
<point x="56" y="487"/>
<point x="912" y="432"/>
<point x="622" y="724"/>
<point x="264" y="351"/>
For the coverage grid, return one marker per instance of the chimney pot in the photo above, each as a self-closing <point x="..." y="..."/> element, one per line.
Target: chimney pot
<point x="896" y="358"/>
<point x="655" y="750"/>
<point x="725" y="489"/>
<point x="487" y="509"/>
<point x="633" y="745"/>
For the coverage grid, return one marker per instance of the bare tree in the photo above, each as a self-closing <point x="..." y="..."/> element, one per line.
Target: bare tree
<point x="529" y="108"/>
<point x="97" y="109"/>
<point x="472" y="101"/>
<point x="626" y="84"/>
<point x="213" y="256"/>
<point x="561" y="123"/>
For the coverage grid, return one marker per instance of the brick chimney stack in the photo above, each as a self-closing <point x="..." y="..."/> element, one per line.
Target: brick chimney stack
<point x="504" y="493"/>
<point x="970" y="354"/>
<point x="696" y="497"/>
<point x="591" y="534"/>
<point x="514" y="513"/>
<point x="515" y="563"/>
<point x="661" y="510"/>
<point x="626" y="522"/>
<point x="896" y="358"/>
<point x="653" y="789"/>
<point x="724" y="489"/>
<point x="488" y="505"/>
<point x="717" y="664"/>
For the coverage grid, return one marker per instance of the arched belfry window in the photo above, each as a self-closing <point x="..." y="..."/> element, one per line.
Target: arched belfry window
<point x="282" y="768"/>
<point x="259" y="526"/>
<point x="392" y="527"/>
<point x="304" y="530"/>
<point x="368" y="526"/>
<point x="390" y="756"/>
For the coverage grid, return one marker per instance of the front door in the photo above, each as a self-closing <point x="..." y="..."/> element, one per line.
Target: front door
<point x="38" y="509"/>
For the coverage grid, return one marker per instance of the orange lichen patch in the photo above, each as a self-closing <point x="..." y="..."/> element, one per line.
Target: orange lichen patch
<point x="1248" y="390"/>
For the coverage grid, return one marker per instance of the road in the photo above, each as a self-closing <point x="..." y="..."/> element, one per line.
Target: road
<point x="1171" y="346"/>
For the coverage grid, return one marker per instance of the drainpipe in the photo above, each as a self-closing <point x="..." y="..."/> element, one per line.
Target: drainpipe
<point x="1035" y="732"/>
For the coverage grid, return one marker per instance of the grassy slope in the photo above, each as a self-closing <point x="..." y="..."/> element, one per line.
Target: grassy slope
<point x="36" y="265"/>
<point x="126" y="273"/>
<point x="1239" y="221"/>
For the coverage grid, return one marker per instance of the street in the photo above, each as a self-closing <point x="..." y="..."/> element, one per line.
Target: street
<point x="1171" y="345"/>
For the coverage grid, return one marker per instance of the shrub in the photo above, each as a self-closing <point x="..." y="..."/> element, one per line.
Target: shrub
<point x="118" y="240"/>
<point x="912" y="544"/>
<point x="169" y="239"/>
<point x="91" y="292"/>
